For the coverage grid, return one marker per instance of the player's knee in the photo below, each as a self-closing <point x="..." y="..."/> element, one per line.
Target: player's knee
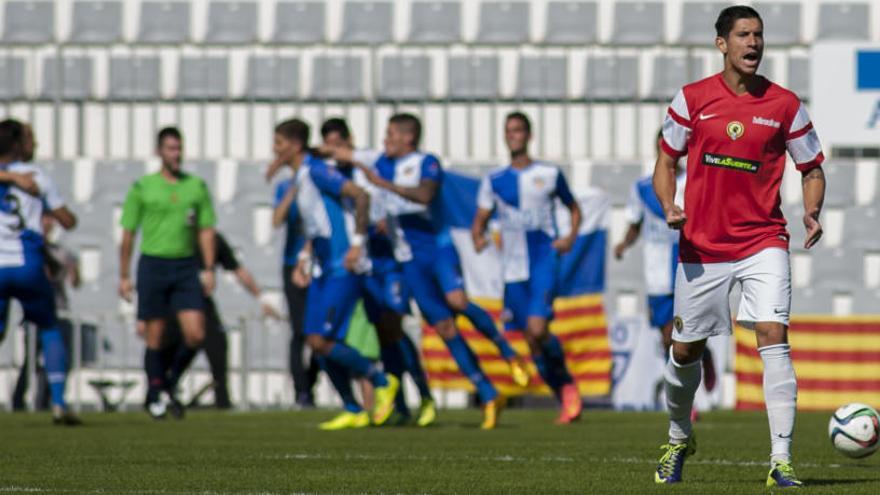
<point x="318" y="344"/>
<point x="446" y="329"/>
<point x="536" y="329"/>
<point x="457" y="300"/>
<point x="686" y="353"/>
<point x="771" y="333"/>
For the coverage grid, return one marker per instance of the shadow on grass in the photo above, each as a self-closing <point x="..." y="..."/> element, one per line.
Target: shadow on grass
<point x="832" y="482"/>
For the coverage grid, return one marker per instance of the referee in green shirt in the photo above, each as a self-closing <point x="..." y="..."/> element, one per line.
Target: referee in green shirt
<point x="163" y="206"/>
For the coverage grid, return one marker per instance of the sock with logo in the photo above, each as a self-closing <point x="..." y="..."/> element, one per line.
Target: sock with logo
<point x="780" y="398"/>
<point x="681" y="382"/>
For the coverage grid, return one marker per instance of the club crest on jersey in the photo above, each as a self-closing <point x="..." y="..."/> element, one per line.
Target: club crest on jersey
<point x="735" y="129"/>
<point x="538" y="182"/>
<point x="678" y="323"/>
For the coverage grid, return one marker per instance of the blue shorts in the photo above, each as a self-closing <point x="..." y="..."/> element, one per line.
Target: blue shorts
<point x="532" y="297"/>
<point x="167" y="286"/>
<point x="385" y="291"/>
<point x="330" y="304"/>
<point x="660" y="309"/>
<point x="429" y="277"/>
<point x="30" y="286"/>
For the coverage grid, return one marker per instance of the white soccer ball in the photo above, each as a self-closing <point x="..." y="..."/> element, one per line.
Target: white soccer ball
<point x="854" y="430"/>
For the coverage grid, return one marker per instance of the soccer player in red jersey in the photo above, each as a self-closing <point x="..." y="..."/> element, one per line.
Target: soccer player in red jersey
<point x="735" y="127"/>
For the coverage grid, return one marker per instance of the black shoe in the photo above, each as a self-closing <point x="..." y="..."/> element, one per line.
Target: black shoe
<point x="63" y="417"/>
<point x="175" y="407"/>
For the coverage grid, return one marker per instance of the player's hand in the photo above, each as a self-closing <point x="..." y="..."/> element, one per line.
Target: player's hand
<point x="269" y="311"/>
<point x="814" y="230"/>
<point x="125" y="288"/>
<point x="675" y="217"/>
<point x="26" y="183"/>
<point x="208" y="281"/>
<point x="302" y="274"/>
<point x="618" y="250"/>
<point x="352" y="258"/>
<point x="140" y="328"/>
<point x="480" y="243"/>
<point x="563" y="244"/>
<point x="373" y="177"/>
<point x="382" y="227"/>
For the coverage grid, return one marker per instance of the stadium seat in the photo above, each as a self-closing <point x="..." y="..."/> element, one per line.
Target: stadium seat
<point x="844" y="21"/>
<point x="861" y="227"/>
<point x="473" y="77"/>
<point x="272" y="78"/>
<point x="638" y="23"/>
<point x="12" y="82"/>
<point x="866" y="302"/>
<point x="611" y="78"/>
<point x="29" y="22"/>
<point x="164" y="22"/>
<point x="338" y="78"/>
<point x="299" y="22"/>
<point x="782" y="22"/>
<point x="233" y="301"/>
<point x="203" y="78"/>
<point x="671" y="72"/>
<point x="232" y="23"/>
<point x="571" y="23"/>
<point x="135" y="78"/>
<point x="206" y="170"/>
<point x="698" y="22"/>
<point x="811" y="300"/>
<point x="503" y="23"/>
<point x="250" y="184"/>
<point x="840" y="183"/>
<point x="96" y="23"/>
<point x="62" y="174"/>
<point x="615" y="178"/>
<point x="119" y="346"/>
<point x="799" y="76"/>
<point x="113" y="178"/>
<point x="405" y="77"/>
<point x="840" y="269"/>
<point x="767" y="67"/>
<point x="542" y="78"/>
<point x="435" y="22"/>
<point x="74" y="84"/>
<point x="369" y="23"/>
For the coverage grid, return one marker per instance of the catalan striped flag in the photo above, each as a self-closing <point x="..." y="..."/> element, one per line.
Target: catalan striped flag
<point x="579" y="315"/>
<point x="837" y="361"/>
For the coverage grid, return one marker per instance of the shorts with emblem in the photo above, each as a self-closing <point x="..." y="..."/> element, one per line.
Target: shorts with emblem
<point x="702" y="291"/>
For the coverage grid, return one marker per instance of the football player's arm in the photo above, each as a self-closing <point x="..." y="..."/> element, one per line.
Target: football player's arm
<point x="478" y="228"/>
<point x="207" y="219"/>
<point x="361" y="222"/>
<point x="664" y="187"/>
<point x="130" y="221"/>
<point x="564" y="244"/>
<point x="65" y="217"/>
<point x="631" y="236"/>
<point x="25" y="182"/>
<point x="635" y="214"/>
<point x="813" y="183"/>
<point x="302" y="274"/>
<point x="282" y="208"/>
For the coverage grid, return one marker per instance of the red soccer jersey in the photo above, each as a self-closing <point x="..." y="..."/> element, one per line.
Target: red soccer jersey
<point x="736" y="148"/>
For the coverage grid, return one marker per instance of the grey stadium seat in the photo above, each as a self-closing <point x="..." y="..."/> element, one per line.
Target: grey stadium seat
<point x="542" y="78"/>
<point x="12" y="78"/>
<point x="670" y="73"/>
<point x="611" y="78"/>
<point x="811" y="300"/>
<point x="473" y="77"/>
<point x="571" y="23"/>
<point x="799" y="76"/>
<point x="250" y="184"/>
<point x="62" y="174"/>
<point x="96" y="22"/>
<point x="135" y="78"/>
<point x="203" y="78"/>
<point x="299" y="22"/>
<point x="840" y="180"/>
<point x="232" y="23"/>
<point x="368" y="23"/>
<point x="638" y="23"/>
<point x="698" y="22"/>
<point x="505" y="23"/>
<point x="767" y="67"/>
<point x="338" y="78"/>
<point x="782" y="22"/>
<point x="437" y="22"/>
<point x="616" y="179"/>
<point x="866" y="302"/>
<point x="76" y="83"/>
<point x="405" y="78"/>
<point x="29" y="22"/>
<point x="113" y="178"/>
<point x="844" y="21"/>
<point x="840" y="269"/>
<point x="206" y="170"/>
<point x="861" y="228"/>
<point x="164" y="22"/>
<point x="272" y="78"/>
<point x="627" y="273"/>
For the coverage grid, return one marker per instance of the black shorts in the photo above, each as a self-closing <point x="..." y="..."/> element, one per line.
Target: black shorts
<point x="167" y="286"/>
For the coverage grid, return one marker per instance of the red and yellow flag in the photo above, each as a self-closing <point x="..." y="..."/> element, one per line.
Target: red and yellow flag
<point x="837" y="361"/>
<point x="579" y="323"/>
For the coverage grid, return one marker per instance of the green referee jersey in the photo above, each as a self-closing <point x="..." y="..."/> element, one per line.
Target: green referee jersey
<point x="166" y="211"/>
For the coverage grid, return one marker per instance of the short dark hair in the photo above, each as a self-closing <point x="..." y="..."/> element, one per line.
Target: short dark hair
<point x="11" y="136"/>
<point x="335" y="124"/>
<point x="522" y="118"/>
<point x="295" y="130"/>
<point x="410" y="123"/>
<point x="168" y="132"/>
<point x="728" y="17"/>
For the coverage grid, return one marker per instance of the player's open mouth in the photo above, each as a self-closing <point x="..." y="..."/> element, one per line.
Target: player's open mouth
<point x="752" y="58"/>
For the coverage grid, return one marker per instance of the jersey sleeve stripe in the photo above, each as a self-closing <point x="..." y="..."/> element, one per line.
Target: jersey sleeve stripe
<point x="801" y="120"/>
<point x="805" y="149"/>
<point x="675" y="137"/>
<point x="815" y="162"/>
<point x="669" y="150"/>
<point x="679" y="106"/>
<point x="682" y="121"/>
<point x="800" y="132"/>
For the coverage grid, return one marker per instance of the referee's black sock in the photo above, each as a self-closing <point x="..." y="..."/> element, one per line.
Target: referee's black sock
<point x="155" y="372"/>
<point x="182" y="359"/>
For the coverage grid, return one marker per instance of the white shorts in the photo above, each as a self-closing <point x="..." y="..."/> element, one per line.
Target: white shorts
<point x="702" y="292"/>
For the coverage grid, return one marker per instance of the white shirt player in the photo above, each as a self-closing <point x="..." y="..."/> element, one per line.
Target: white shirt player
<point x="20" y="214"/>
<point x="661" y="243"/>
<point x="525" y="202"/>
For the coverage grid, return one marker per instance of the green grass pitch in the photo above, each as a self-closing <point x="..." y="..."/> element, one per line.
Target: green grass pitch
<point x="283" y="452"/>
